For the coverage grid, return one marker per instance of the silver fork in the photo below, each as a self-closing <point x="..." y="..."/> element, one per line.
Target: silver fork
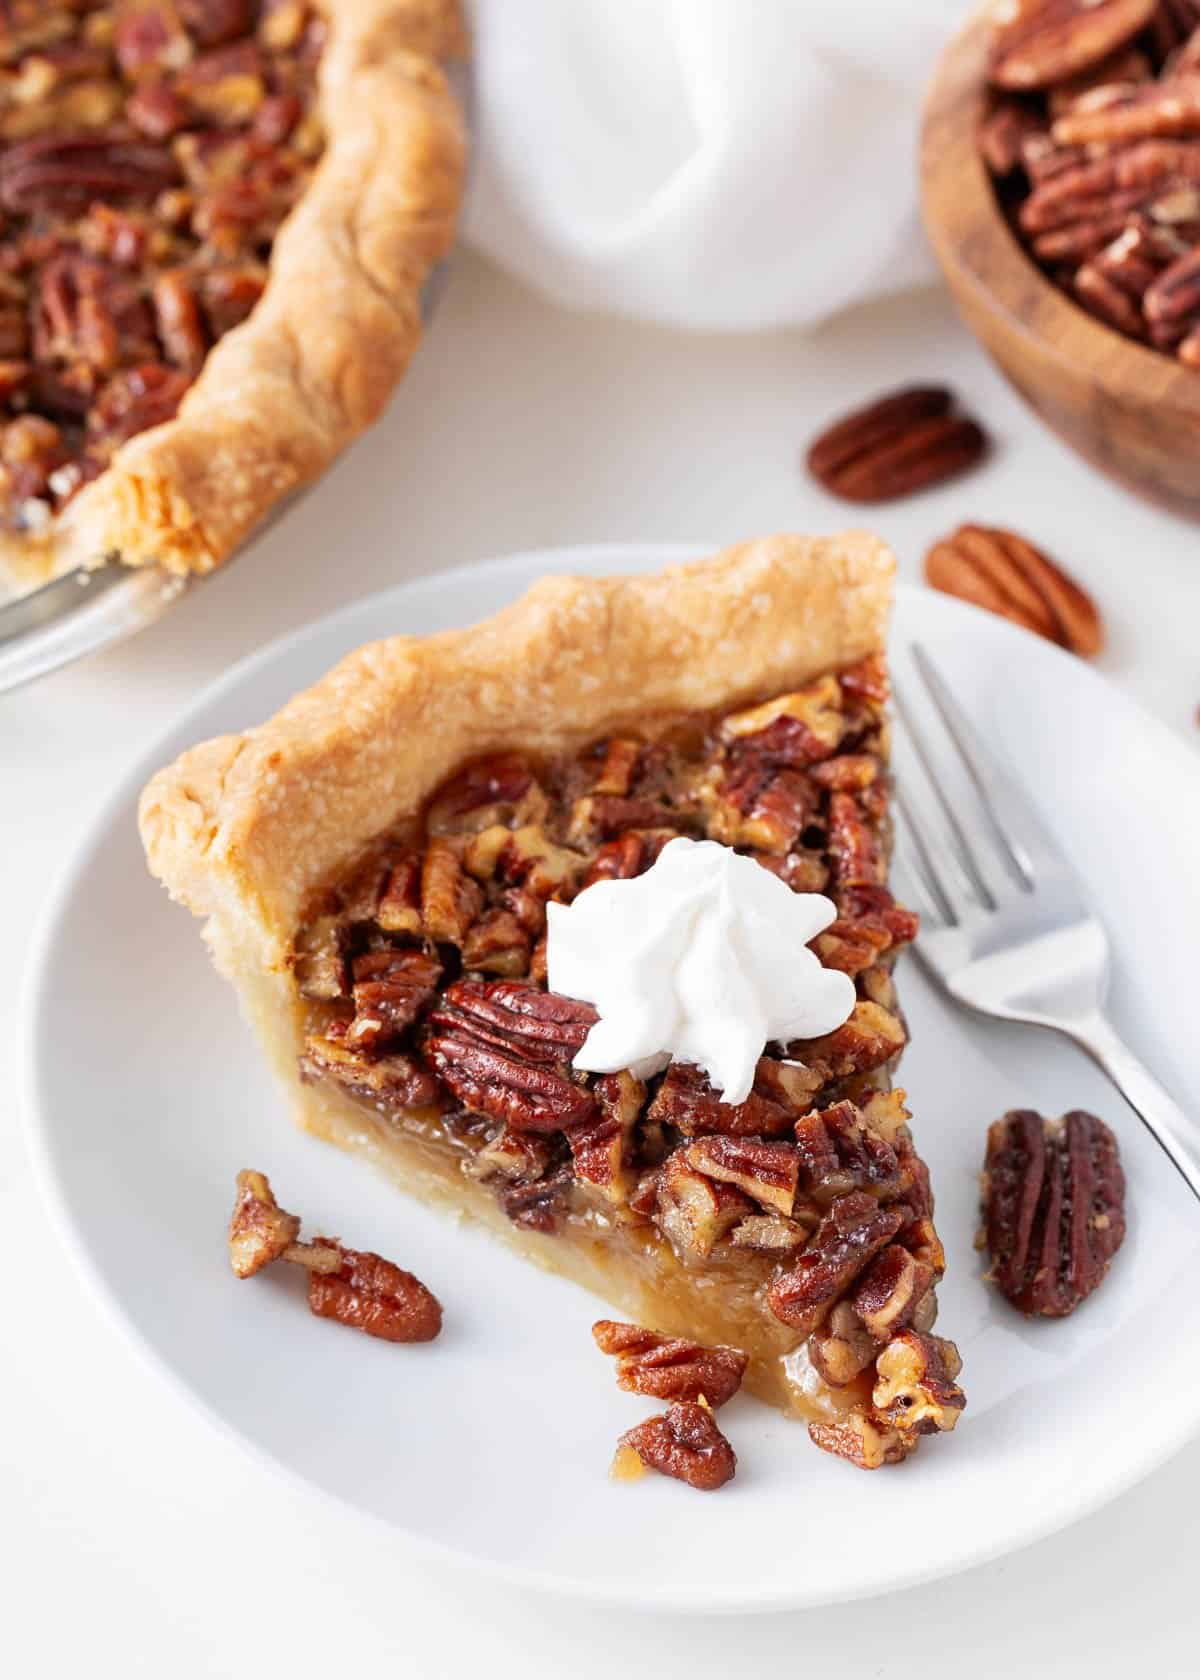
<point x="1005" y="927"/>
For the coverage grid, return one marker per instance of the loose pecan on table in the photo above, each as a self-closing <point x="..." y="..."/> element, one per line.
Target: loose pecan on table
<point x="1053" y="1203"/>
<point x="1001" y="571"/>
<point x="902" y="442"/>
<point x="670" y="1367"/>
<point x="684" y="1443"/>
<point x="358" y="1289"/>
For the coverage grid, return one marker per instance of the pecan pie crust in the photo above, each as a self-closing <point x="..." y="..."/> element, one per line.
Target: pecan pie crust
<point x="374" y="862"/>
<point x="248" y="415"/>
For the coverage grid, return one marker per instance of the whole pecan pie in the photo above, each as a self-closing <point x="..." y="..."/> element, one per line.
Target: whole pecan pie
<point x="376" y="864"/>
<point x="216" y="218"/>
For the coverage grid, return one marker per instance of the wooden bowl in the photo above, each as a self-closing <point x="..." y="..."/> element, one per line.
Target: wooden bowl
<point x="1132" y="412"/>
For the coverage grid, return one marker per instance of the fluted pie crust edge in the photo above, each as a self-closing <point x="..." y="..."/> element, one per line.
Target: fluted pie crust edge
<point x="281" y="396"/>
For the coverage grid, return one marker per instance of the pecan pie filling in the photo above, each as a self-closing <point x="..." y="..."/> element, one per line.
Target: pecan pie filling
<point x="151" y="150"/>
<point x="796" y="1224"/>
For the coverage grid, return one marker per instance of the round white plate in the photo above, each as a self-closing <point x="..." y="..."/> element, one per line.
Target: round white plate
<point x="145" y="1096"/>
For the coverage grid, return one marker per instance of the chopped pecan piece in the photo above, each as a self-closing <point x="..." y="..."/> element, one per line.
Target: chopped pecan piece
<point x="770" y="1234"/>
<point x="319" y="963"/>
<point x="847" y="1239"/>
<point x="842" y="1348"/>
<point x="684" y="1443"/>
<point x="837" y="1151"/>
<point x="891" y="1290"/>
<point x="870" y="1038"/>
<point x="670" y="1367"/>
<point x="797" y="729"/>
<point x="862" y="1440"/>
<point x="369" y="1293"/>
<point x="498" y="944"/>
<point x="450" y="899"/>
<point x="260" y="1231"/>
<point x="522" y="1157"/>
<point x="398" y="909"/>
<point x="766" y="1171"/>
<point x="782" y="1090"/>
<point x="899" y="444"/>
<point x="540" y="1205"/>
<point x="390" y="989"/>
<point x="486" y="793"/>
<point x="1053" y="1207"/>
<point x="395" y="1080"/>
<point x="629" y="855"/>
<point x="693" y="1211"/>
<point x="915" y="1388"/>
<point x="601" y="1149"/>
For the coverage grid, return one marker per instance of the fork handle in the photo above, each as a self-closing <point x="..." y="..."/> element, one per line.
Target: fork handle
<point x="1162" y="1116"/>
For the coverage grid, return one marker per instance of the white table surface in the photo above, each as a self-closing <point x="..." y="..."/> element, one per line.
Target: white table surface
<point x="135" y="1539"/>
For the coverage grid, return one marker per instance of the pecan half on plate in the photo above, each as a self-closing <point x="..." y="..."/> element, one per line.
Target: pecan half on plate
<point x="1053" y="1198"/>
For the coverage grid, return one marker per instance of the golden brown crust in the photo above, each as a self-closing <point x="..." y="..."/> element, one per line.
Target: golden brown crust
<point x="244" y="828"/>
<point x="313" y="367"/>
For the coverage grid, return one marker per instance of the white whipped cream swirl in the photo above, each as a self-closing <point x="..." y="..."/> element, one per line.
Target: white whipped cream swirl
<point x="702" y="959"/>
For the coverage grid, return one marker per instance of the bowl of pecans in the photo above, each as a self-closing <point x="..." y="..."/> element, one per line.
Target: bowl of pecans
<point x="1060" y="174"/>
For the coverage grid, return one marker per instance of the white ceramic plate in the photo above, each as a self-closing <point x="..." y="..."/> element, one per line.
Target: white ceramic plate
<point x="145" y="1095"/>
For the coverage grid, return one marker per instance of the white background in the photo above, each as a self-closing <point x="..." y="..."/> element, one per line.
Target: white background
<point x="135" y="1540"/>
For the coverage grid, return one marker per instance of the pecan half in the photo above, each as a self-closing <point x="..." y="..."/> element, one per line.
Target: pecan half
<point x="369" y="1293"/>
<point x="684" y="1443"/>
<point x="899" y="444"/>
<point x="670" y="1367"/>
<point x="65" y="172"/>
<point x="499" y="1046"/>
<point x="1001" y="571"/>
<point x="1053" y="1196"/>
<point x="1038" y="42"/>
<point x="260" y="1231"/>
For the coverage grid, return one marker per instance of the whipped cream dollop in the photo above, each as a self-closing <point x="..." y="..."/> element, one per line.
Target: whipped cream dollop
<point x="702" y="959"/>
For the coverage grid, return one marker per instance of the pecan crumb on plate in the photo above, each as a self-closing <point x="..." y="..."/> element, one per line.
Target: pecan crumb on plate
<point x="359" y="1289"/>
<point x="684" y="1442"/>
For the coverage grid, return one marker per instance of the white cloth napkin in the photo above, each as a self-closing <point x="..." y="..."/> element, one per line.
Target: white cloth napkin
<point x="708" y="163"/>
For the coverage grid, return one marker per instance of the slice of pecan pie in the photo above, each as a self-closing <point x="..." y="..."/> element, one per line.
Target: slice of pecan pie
<point x="216" y="218"/>
<point x="376" y="862"/>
